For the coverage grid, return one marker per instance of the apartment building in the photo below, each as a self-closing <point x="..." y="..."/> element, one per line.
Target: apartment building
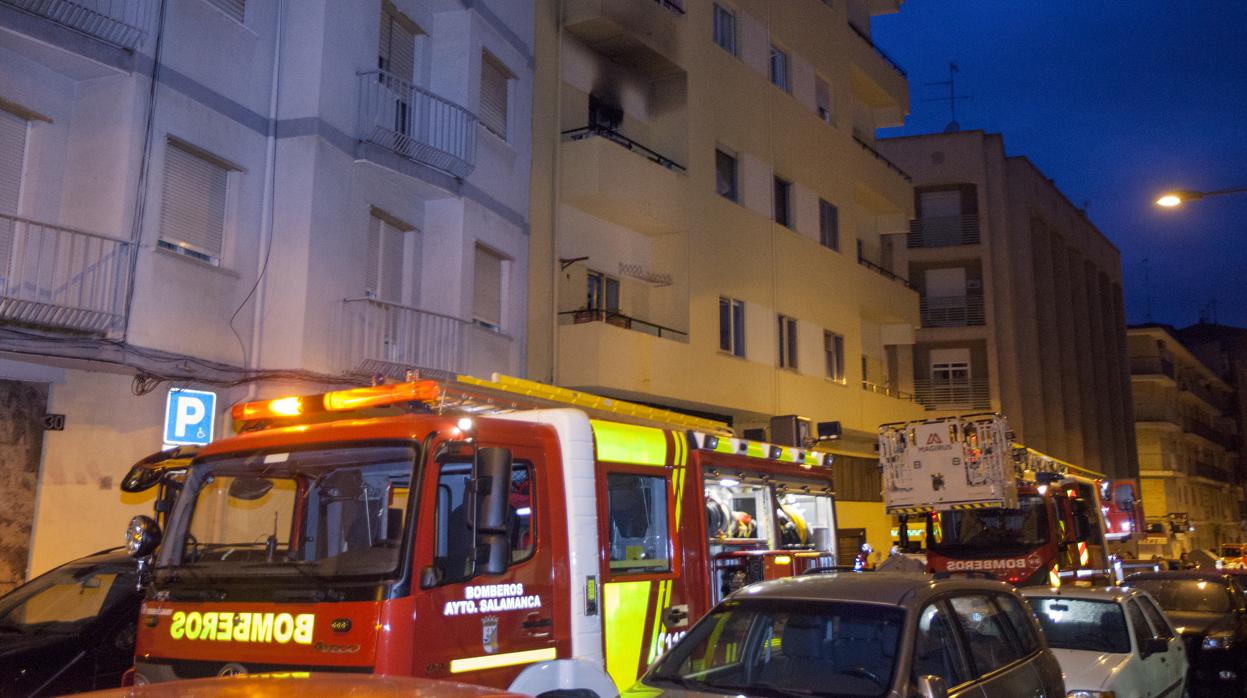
<point x="1021" y="301"/>
<point x="1188" y="436"/>
<point x="241" y="197"/>
<point x="711" y="237"/>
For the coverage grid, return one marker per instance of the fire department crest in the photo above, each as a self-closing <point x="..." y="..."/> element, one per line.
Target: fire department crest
<point x="489" y="634"/>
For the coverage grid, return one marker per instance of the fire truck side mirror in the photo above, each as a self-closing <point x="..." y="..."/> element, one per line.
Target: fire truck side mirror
<point x="142" y="536"/>
<point x="492" y="484"/>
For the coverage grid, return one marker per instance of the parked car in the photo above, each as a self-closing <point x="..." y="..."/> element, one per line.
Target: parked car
<point x="1209" y="611"/>
<point x="301" y="684"/>
<point x="875" y="634"/>
<point x="1111" y="641"/>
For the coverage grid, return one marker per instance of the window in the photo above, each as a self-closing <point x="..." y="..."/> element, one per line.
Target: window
<point x="1139" y="628"/>
<point x="637" y="520"/>
<point x="192" y="212"/>
<point x="495" y="83"/>
<point x="236" y="9"/>
<point x="833" y="349"/>
<point x="487" y="289"/>
<point x="725" y="174"/>
<point x="725" y="28"/>
<point x="950" y="373"/>
<point x="828" y="225"/>
<point x="454" y="542"/>
<point x="1081" y="624"/>
<point x="822" y="99"/>
<point x="787" y="342"/>
<point x="12" y="154"/>
<point x="1020" y="618"/>
<point x="779" y="68"/>
<point x="783" y="202"/>
<point x="935" y="649"/>
<point x="732" y="326"/>
<point x="383" y="277"/>
<point x="987" y="640"/>
<point x="603" y="292"/>
<point x="1160" y="625"/>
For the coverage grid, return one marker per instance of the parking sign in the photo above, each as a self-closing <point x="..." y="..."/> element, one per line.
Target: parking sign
<point x="190" y="416"/>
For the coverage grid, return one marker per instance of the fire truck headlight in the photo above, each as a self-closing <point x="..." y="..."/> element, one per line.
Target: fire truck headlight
<point x="142" y="536"/>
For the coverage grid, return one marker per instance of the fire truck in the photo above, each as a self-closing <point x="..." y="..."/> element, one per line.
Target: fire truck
<point x="502" y="532"/>
<point x="991" y="505"/>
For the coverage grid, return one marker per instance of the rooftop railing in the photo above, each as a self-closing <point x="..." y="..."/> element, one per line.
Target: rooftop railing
<point x="618" y="319"/>
<point x="118" y="22"/>
<point x="951" y="311"/>
<point x="415" y="123"/>
<point x="381" y="334"/>
<point x="619" y="139"/>
<point x="934" y="395"/>
<point x="52" y="276"/>
<point x="944" y="231"/>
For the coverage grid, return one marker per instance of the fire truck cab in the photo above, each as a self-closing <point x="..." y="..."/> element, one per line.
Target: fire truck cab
<point x="994" y="506"/>
<point x="502" y="533"/>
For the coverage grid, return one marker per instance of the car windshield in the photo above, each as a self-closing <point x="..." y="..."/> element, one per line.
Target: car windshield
<point x="1231" y="551"/>
<point x="984" y="531"/>
<point x="1187" y="595"/>
<point x="1082" y="624"/>
<point x="67" y="599"/>
<point x="764" y="648"/>
<point x="318" y="513"/>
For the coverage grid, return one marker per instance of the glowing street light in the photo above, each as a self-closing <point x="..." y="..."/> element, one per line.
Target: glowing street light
<point x="1172" y="199"/>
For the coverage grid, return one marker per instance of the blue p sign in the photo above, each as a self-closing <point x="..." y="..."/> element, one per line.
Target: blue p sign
<point x="189" y="417"/>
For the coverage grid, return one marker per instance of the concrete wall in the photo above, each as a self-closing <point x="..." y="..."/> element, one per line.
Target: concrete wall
<point x="22" y="408"/>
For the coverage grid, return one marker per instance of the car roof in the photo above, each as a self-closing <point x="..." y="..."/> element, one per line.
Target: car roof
<point x="1207" y="576"/>
<point x="890" y="588"/>
<point x="1115" y="594"/>
<point x="300" y="685"/>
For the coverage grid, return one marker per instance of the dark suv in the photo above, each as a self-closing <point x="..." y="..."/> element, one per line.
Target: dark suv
<point x="863" y="635"/>
<point x="1209" y="610"/>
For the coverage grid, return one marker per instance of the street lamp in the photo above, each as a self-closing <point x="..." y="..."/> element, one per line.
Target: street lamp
<point x="1172" y="199"/>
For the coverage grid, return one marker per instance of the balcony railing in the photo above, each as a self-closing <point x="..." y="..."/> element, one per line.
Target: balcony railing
<point x="887" y="390"/>
<point x="944" y="231"/>
<point x="951" y="311"/>
<point x="611" y="317"/>
<point x="619" y="139"/>
<point x="882" y="272"/>
<point x="1156" y="411"/>
<point x="1151" y="366"/>
<point x="935" y="395"/>
<point x="675" y="6"/>
<point x="415" y="123"/>
<point x="51" y="276"/>
<point x="1189" y="382"/>
<point x="1211" y="472"/>
<point x="380" y="335"/>
<point x="118" y="22"/>
<point x="886" y="57"/>
<point x="1194" y="426"/>
<point x="879" y="156"/>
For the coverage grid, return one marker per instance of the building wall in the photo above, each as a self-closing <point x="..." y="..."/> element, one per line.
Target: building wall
<point x="22" y="408"/>
<point x="1041" y="318"/>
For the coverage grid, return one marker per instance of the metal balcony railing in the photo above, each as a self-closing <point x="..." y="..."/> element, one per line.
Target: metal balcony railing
<point x="883" y="272"/>
<point x="611" y="317"/>
<point x="118" y="22"/>
<point x="415" y="123"/>
<point x="886" y="390"/>
<point x="934" y="395"/>
<point x="1211" y="472"/>
<point x="879" y="156"/>
<point x="864" y="37"/>
<point x="944" y="231"/>
<point x="52" y="276"/>
<point x="380" y="335"/>
<point x="619" y="139"/>
<point x="951" y="311"/>
<point x="1154" y="411"/>
<point x="1189" y="381"/>
<point x="674" y="6"/>
<point x="1151" y="366"/>
<point x="1221" y="438"/>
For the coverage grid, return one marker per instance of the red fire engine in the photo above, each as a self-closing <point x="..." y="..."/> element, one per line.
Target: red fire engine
<point x="501" y="532"/>
<point x="991" y="505"/>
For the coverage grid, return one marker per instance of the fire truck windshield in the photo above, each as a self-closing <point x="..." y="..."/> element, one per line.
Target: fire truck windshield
<point x="322" y="513"/>
<point x="978" y="532"/>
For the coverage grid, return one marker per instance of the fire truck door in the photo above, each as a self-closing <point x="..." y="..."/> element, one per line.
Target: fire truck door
<point x="481" y="628"/>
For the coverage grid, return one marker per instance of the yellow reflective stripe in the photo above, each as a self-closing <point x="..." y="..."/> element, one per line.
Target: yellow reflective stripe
<point x="624" y="606"/>
<point x="493" y="661"/>
<point x="664" y="592"/>
<point x="677" y="476"/>
<point x="625" y="443"/>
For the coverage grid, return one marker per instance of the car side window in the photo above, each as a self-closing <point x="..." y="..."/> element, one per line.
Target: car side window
<point x="1020" y="620"/>
<point x="935" y="648"/>
<point x="989" y="643"/>
<point x="1160" y="626"/>
<point x="1138" y="623"/>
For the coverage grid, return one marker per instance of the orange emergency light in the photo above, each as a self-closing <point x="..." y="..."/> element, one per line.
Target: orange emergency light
<point x="425" y="391"/>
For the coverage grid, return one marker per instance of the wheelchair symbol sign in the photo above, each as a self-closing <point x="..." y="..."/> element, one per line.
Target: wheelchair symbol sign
<point x="190" y="416"/>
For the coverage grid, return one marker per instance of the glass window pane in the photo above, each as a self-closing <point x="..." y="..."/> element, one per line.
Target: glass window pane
<point x="1020" y="618"/>
<point x="1142" y="633"/>
<point x="935" y="649"/>
<point x="1082" y="624"/>
<point x="989" y="644"/>
<point x="612" y="294"/>
<point x="1160" y="626"/>
<point x="725" y="29"/>
<point x="637" y="526"/>
<point x="725" y="174"/>
<point x="725" y="324"/>
<point x="738" y="328"/>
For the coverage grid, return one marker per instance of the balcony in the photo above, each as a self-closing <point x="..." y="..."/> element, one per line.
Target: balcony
<point x="951" y="311"/>
<point x="1190" y="383"/>
<point x="1151" y="366"/>
<point x="61" y="278"/>
<point x="389" y="338"/>
<point x="1210" y="472"/>
<point x="862" y="142"/>
<point x="117" y="22"/>
<point x="642" y="35"/>
<point x="883" y="272"/>
<point x="1157" y="411"/>
<point x="944" y="395"/>
<point x="611" y="317"/>
<point x="416" y="124"/>
<point x="608" y="175"/>
<point x="886" y="391"/>
<point x="1208" y="433"/>
<point x="944" y="231"/>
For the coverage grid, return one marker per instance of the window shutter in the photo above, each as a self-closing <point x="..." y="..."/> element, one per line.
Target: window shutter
<point x="493" y="110"/>
<point x="487" y="295"/>
<point x="192" y="214"/>
<point x="822" y="99"/>
<point x="236" y="9"/>
<point x="372" y="269"/>
<point x="12" y="153"/>
<point x="391" y="263"/>
<point x="397" y="49"/>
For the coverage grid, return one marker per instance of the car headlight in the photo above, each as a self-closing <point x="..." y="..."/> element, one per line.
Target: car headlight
<point x="1091" y="694"/>
<point x="1217" y="641"/>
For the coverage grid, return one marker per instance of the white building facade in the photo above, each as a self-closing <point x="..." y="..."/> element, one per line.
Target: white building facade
<point x="246" y="197"/>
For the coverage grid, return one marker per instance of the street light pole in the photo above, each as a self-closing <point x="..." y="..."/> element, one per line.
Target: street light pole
<point x="1176" y="198"/>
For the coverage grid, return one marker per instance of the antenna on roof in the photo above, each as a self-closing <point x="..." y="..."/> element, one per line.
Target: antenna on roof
<point x="952" y="97"/>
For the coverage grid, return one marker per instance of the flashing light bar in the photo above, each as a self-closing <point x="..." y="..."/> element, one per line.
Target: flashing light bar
<point x="758" y="449"/>
<point x="337" y="401"/>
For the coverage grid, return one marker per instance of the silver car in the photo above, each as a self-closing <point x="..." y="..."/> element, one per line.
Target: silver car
<point x="877" y="634"/>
